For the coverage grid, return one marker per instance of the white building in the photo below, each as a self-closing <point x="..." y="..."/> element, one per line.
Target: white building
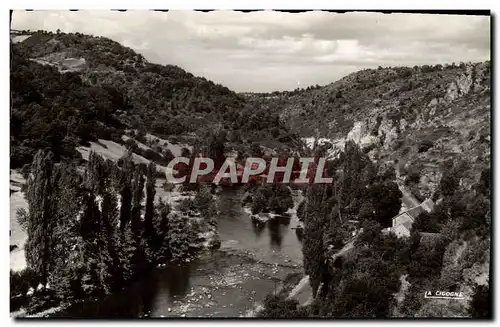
<point x="402" y="223"/>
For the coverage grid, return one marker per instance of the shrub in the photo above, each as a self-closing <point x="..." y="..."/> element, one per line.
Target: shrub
<point x="425" y="145"/>
<point x="21" y="281"/>
<point x="43" y="300"/>
<point x="168" y="187"/>
<point x="152" y="155"/>
<point x="405" y="151"/>
<point x="131" y="144"/>
<point x="413" y="175"/>
<point x="186" y="205"/>
<point x="279" y="307"/>
<point x="141" y="136"/>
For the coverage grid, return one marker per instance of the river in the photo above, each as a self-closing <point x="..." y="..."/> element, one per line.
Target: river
<point x="230" y="282"/>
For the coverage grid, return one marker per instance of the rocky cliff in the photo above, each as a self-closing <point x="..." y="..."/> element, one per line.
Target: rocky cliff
<point x="420" y="119"/>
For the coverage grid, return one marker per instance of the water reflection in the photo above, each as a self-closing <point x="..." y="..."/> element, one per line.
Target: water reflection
<point x="173" y="281"/>
<point x="135" y="301"/>
<point x="258" y="228"/>
<point x="300" y="234"/>
<point x="275" y="233"/>
<point x="276" y="227"/>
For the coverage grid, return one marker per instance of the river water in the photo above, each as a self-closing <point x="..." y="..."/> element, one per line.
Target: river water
<point x="272" y="243"/>
<point x="229" y="282"/>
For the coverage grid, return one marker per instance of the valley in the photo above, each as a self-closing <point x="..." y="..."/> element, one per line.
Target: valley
<point x="392" y="138"/>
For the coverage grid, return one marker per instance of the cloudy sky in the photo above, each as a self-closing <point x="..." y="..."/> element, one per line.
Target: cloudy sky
<point x="267" y="51"/>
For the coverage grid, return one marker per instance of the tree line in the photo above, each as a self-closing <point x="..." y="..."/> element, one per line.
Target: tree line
<point x="92" y="232"/>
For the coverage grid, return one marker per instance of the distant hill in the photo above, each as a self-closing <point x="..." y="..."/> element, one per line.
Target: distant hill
<point x="93" y="87"/>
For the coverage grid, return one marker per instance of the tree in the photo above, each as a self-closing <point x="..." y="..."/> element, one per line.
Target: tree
<point x="21" y="281"/>
<point x="450" y="180"/>
<point x="426" y="262"/>
<point x="185" y="152"/>
<point x="371" y="235"/>
<point x="179" y="237"/>
<point x="215" y="148"/>
<point x="39" y="196"/>
<point x="284" y="199"/>
<point x="22" y="217"/>
<point x="259" y="203"/>
<point x="276" y="198"/>
<point x="139" y="258"/>
<point x="255" y="150"/>
<point x="481" y="305"/>
<point x="160" y="245"/>
<point x="301" y="210"/>
<point x="366" y="296"/>
<point x="312" y="244"/>
<point x="362" y="281"/>
<point x="110" y="219"/>
<point x="150" y="195"/>
<point x="205" y="203"/>
<point x="67" y="238"/>
<point x="125" y="180"/>
<point x="428" y="222"/>
<point x="350" y="185"/>
<point x="449" y="183"/>
<point x="168" y="155"/>
<point x="96" y="276"/>
<point x="413" y="175"/>
<point x="386" y="201"/>
<point x="483" y="186"/>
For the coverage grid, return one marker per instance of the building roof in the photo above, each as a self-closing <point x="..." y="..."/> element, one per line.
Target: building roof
<point x="411" y="215"/>
<point x="407" y="224"/>
<point x="403" y="214"/>
<point x="415" y="212"/>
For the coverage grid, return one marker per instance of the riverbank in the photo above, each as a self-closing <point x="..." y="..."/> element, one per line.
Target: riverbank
<point x="225" y="283"/>
<point x="229" y="282"/>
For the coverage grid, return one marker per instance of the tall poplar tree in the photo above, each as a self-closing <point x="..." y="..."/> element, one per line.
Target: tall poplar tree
<point x="150" y="196"/>
<point x="39" y="227"/>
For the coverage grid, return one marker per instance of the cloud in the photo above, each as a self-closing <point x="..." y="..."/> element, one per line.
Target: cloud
<point x="266" y="51"/>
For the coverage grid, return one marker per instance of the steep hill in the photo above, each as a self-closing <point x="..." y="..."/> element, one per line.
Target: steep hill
<point x="105" y="88"/>
<point x="422" y="118"/>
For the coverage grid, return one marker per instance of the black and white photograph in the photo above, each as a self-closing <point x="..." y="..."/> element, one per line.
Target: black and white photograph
<point x="266" y="164"/>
